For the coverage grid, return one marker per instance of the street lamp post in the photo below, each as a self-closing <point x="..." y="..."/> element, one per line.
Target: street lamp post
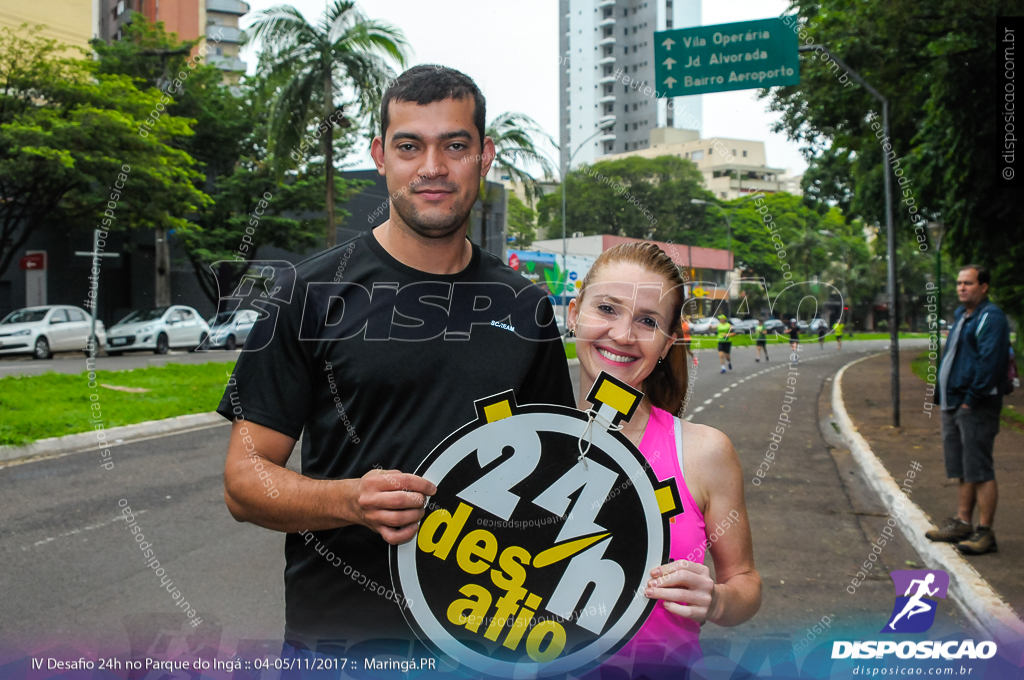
<point x="938" y="230"/>
<point x="565" y="245"/>
<point x="894" y="344"/>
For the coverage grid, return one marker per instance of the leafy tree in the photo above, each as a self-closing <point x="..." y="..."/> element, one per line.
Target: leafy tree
<point x="520" y="222"/>
<point x="937" y="61"/>
<point x="67" y="131"/>
<point x="311" y="64"/>
<point x="230" y="147"/>
<point x="636" y="197"/>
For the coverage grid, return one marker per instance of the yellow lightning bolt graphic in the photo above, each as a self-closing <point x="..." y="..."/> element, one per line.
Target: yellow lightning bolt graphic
<point x="568" y="549"/>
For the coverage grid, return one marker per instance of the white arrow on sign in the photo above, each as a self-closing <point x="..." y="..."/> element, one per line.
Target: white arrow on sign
<point x="669" y="62"/>
<point x="667" y="43"/>
<point x="670" y="81"/>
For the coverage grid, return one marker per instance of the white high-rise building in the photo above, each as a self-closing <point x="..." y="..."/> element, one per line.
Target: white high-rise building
<point x="601" y="42"/>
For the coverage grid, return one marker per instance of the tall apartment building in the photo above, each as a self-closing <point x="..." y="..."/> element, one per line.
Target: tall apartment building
<point x="189" y="19"/>
<point x="600" y="42"/>
<point x="222" y="20"/>
<point x="68" y="21"/>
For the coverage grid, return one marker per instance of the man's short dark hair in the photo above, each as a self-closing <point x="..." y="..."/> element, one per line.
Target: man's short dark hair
<point x="983" y="275"/>
<point x="429" y="83"/>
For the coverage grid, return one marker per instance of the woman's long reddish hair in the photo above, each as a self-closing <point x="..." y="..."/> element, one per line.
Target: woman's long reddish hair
<point x="666" y="386"/>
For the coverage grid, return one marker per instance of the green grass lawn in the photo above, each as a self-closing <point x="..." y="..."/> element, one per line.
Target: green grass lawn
<point x="55" y="404"/>
<point x="919" y="366"/>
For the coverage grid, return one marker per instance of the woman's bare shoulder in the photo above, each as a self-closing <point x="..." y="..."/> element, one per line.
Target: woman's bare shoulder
<point x="703" y="443"/>
<point x="710" y="462"/>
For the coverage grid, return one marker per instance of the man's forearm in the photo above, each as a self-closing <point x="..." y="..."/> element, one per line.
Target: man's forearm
<point x="301" y="504"/>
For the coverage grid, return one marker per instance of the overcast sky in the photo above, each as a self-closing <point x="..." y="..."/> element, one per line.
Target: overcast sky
<point x="511" y="50"/>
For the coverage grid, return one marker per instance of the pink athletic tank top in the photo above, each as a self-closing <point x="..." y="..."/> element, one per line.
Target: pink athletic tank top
<point x="668" y="642"/>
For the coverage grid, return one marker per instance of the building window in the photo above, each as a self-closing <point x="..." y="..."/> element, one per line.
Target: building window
<point x="668" y="23"/>
<point x="697" y="155"/>
<point x="744" y="153"/>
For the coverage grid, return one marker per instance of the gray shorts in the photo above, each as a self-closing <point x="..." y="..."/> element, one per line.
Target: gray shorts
<point x="968" y="436"/>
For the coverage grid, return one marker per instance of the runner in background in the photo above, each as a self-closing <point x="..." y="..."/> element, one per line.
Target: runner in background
<point x="794" y="335"/>
<point x="686" y="338"/>
<point x="821" y="336"/>
<point x="724" y="343"/>
<point x="840" y="327"/>
<point x="762" y="341"/>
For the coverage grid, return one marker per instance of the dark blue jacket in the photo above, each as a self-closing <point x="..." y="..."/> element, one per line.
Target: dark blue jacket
<point x="978" y="373"/>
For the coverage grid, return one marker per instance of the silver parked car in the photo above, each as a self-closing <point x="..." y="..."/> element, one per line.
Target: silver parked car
<point x="230" y="329"/>
<point x="43" y="330"/>
<point x="158" y="330"/>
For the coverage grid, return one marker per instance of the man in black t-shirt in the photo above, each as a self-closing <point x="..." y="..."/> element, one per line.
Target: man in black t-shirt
<point x="375" y="362"/>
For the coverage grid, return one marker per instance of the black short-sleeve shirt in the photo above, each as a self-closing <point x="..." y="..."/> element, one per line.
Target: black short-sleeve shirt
<point x="375" y="363"/>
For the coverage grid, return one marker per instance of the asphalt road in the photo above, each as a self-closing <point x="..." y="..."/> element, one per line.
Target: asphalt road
<point x="73" y="575"/>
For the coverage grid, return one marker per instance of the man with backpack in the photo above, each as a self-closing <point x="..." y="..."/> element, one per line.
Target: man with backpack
<point x="972" y="382"/>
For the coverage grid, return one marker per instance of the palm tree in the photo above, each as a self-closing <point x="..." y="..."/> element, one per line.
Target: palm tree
<point x="309" y="64"/>
<point x="513" y="146"/>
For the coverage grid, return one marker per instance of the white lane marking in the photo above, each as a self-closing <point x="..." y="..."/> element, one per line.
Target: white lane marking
<point x="725" y="389"/>
<point x="708" y="401"/>
<point x="689" y="417"/>
<point x="733" y="385"/>
<point x="698" y="409"/>
<point x="78" y="531"/>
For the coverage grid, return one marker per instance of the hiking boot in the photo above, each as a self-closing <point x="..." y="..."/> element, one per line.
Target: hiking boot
<point x="956" y="530"/>
<point x="982" y="541"/>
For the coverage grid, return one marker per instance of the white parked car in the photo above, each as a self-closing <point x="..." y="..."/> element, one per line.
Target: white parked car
<point x="703" y="325"/>
<point x="41" y="331"/>
<point x="158" y="330"/>
<point x="230" y="329"/>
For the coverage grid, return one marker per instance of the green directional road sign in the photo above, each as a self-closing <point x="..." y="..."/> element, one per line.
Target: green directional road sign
<point x="725" y="57"/>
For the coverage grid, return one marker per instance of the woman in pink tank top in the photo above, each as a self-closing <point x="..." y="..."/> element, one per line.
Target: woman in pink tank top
<point x="626" y="320"/>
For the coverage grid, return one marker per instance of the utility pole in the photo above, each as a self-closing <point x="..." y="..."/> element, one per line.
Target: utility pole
<point x="95" y="254"/>
<point x="565" y="245"/>
<point x="162" y="249"/>
<point x="894" y="344"/>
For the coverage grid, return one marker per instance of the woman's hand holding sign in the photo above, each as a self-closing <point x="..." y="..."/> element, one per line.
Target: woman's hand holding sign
<point x="686" y="588"/>
<point x="390" y="502"/>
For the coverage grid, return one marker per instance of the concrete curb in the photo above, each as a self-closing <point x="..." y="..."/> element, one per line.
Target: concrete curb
<point x="979" y="600"/>
<point x="84" y="441"/>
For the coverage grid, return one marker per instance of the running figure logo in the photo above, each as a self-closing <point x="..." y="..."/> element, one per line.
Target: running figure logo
<point x="912" y="612"/>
